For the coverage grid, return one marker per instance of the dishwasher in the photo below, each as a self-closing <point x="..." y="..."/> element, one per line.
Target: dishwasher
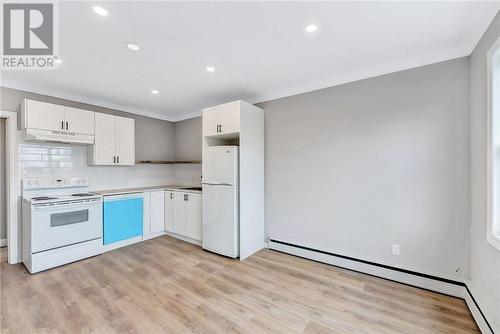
<point x="122" y="217"/>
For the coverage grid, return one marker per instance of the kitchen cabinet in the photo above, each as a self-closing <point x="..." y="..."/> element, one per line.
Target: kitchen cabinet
<point x="186" y="215"/>
<point x="52" y="117"/>
<point x="169" y="211"/>
<point x="222" y="120"/>
<point x="125" y="141"/>
<point x="157" y="211"/>
<point x="79" y="121"/>
<point x="194" y="216"/>
<point x="114" y="141"/>
<point x="180" y="214"/>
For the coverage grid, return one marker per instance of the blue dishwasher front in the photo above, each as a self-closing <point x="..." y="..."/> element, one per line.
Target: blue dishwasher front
<point x="122" y="218"/>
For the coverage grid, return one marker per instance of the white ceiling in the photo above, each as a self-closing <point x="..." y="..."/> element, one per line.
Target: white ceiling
<point x="259" y="49"/>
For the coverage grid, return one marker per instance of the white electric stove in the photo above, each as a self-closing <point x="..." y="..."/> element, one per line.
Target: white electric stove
<point x="61" y="222"/>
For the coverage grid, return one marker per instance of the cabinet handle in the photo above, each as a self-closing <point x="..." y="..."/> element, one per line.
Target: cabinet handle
<point x="118" y="159"/>
<point x="114" y="159"/>
<point x="67" y="126"/>
<point x="217" y="128"/>
<point x="62" y="125"/>
<point x="220" y="126"/>
<point x="171" y="195"/>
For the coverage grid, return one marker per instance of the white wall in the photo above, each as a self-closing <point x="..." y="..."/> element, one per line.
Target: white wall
<point x="485" y="259"/>
<point x="354" y="168"/>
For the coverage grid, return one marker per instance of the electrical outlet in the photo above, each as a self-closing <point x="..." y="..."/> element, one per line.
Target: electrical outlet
<point x="395" y="249"/>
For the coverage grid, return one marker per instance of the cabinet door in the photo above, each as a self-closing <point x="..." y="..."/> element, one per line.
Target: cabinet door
<point x="79" y="121"/>
<point x="44" y="116"/>
<point x="229" y="118"/>
<point x="180" y="214"/>
<point x="104" y="147"/>
<point x="157" y="211"/>
<point x="169" y="211"/>
<point x="194" y="216"/>
<point x="125" y="141"/>
<point x="210" y="122"/>
<point x="146" y="225"/>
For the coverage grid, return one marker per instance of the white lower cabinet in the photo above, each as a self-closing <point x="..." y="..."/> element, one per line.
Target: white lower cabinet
<point x="194" y="216"/>
<point x="180" y="214"/>
<point x="169" y="211"/>
<point x="183" y="214"/>
<point x="157" y="211"/>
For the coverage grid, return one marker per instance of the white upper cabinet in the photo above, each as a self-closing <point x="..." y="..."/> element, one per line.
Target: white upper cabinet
<point x="42" y="121"/>
<point x="114" y="141"/>
<point x="53" y="117"/>
<point x="222" y="120"/>
<point x="78" y="120"/>
<point x="103" y="151"/>
<point x="125" y="141"/>
<point x="42" y="116"/>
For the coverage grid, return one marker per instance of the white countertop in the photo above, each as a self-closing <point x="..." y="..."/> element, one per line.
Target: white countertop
<point x="108" y="192"/>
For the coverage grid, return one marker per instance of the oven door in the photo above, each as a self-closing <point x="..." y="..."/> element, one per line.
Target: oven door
<point x="63" y="224"/>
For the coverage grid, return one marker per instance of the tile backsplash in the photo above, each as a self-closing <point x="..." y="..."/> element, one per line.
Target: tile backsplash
<point x="54" y="159"/>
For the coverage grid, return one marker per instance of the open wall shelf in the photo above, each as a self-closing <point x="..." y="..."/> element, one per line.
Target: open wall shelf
<point x="164" y="162"/>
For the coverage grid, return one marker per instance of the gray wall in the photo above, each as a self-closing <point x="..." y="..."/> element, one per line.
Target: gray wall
<point x="485" y="259"/>
<point x="354" y="168"/>
<point x="188" y="134"/>
<point x="187" y="141"/>
<point x="3" y="185"/>
<point x="154" y="139"/>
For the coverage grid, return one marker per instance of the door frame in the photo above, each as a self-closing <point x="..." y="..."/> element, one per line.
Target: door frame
<point x="12" y="196"/>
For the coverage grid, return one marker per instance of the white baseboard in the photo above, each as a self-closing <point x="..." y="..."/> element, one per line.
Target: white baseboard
<point x="183" y="238"/>
<point x="477" y="313"/>
<point x="3" y="243"/>
<point x="424" y="281"/>
<point x="153" y="235"/>
<point x="453" y="288"/>
<point x="122" y="243"/>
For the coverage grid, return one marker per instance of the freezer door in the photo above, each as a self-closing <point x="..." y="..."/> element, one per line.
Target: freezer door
<point x="220" y="165"/>
<point x="220" y="220"/>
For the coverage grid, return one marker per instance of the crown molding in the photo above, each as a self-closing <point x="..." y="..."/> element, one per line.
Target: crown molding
<point x="388" y="68"/>
<point x="76" y="97"/>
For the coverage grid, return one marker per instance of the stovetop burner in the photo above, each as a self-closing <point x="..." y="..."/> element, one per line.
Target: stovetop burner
<point x="82" y="194"/>
<point x="43" y="198"/>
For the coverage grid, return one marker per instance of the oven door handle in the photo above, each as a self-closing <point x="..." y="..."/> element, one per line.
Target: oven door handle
<point x="66" y="206"/>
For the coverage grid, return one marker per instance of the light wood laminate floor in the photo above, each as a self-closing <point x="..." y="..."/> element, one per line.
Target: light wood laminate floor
<point x="168" y="286"/>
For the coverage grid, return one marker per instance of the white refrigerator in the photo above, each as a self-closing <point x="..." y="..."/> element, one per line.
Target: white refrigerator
<point x="220" y="200"/>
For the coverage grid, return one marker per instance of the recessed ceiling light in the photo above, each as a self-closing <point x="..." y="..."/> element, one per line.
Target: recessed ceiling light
<point x="210" y="69"/>
<point x="311" y="28"/>
<point x="132" y="46"/>
<point x="154" y="91"/>
<point x="101" y="11"/>
<point x="57" y="60"/>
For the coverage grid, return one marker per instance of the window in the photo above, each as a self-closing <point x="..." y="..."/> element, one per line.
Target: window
<point x="493" y="132"/>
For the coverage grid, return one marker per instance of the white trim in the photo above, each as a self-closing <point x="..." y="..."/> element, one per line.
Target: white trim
<point x="122" y="243"/>
<point x="77" y="97"/>
<point x="490" y="177"/>
<point x="394" y="275"/>
<point x="3" y="242"/>
<point x="406" y="64"/>
<point x="183" y="238"/>
<point x="12" y="196"/>
<point x="152" y="235"/>
<point x="476" y="314"/>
